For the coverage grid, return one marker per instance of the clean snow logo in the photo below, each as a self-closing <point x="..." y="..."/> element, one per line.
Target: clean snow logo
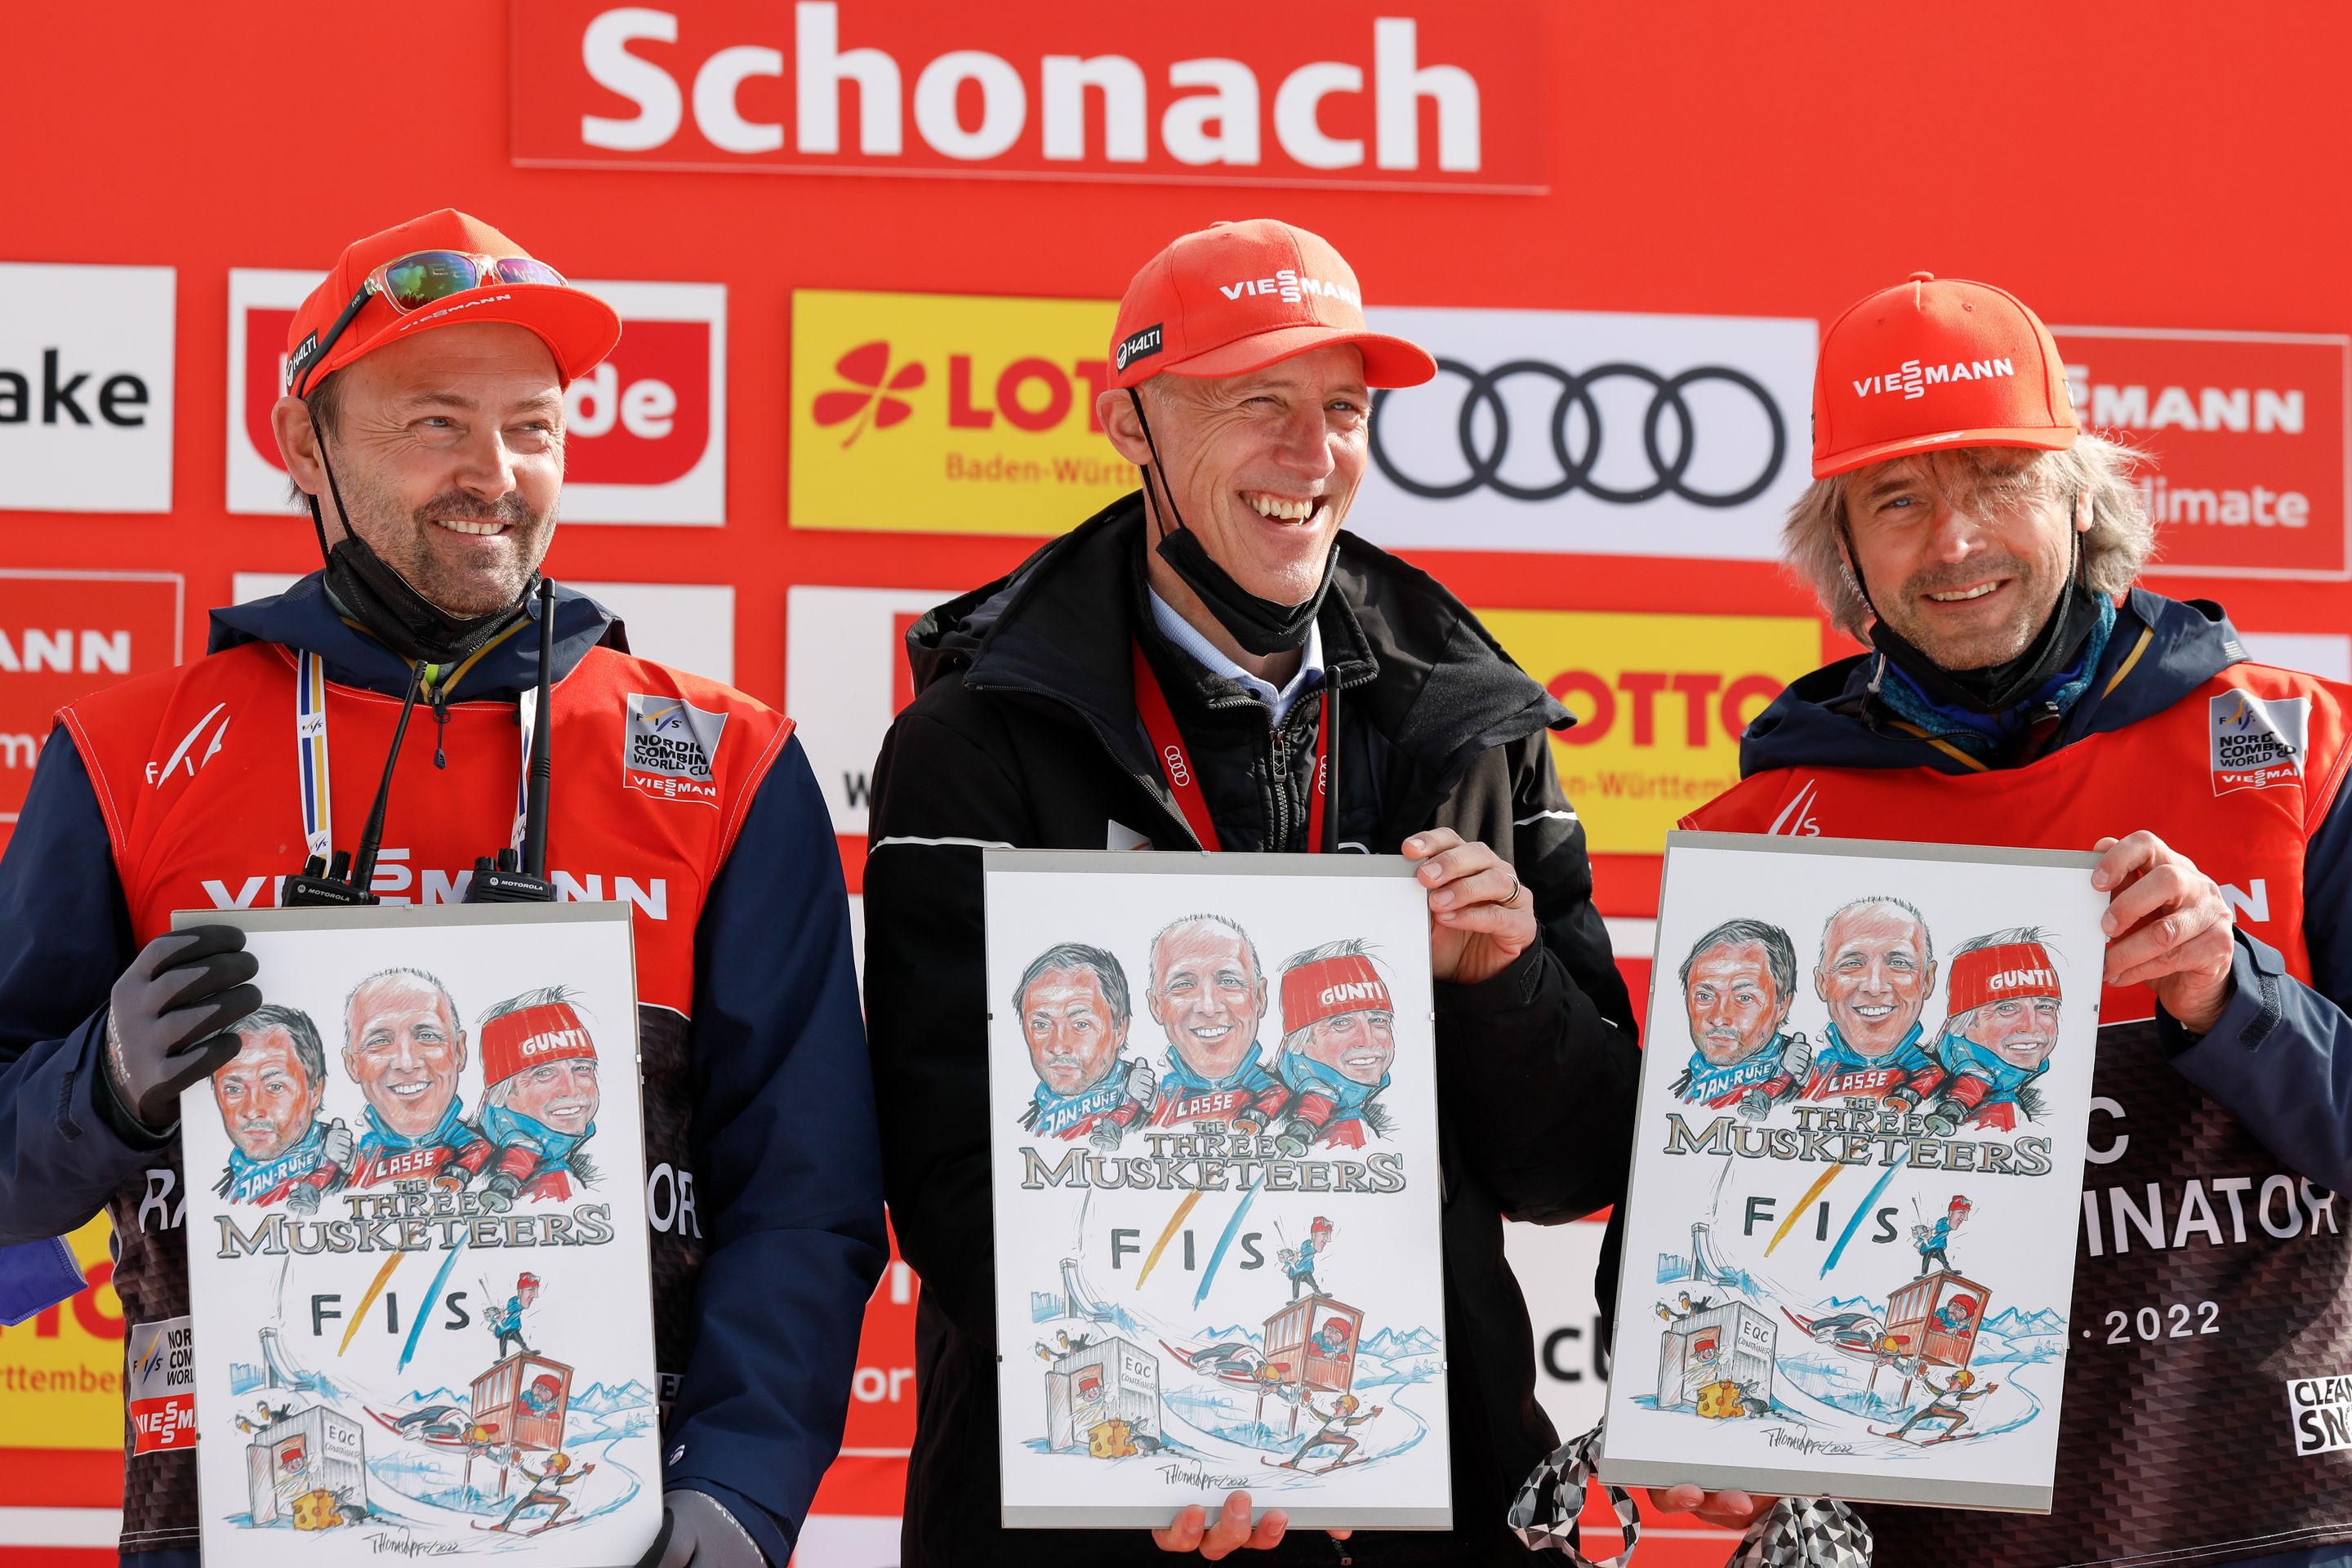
<point x="668" y="747"/>
<point x="2320" y="1411"/>
<point x="2256" y="744"/>
<point x="1913" y="379"/>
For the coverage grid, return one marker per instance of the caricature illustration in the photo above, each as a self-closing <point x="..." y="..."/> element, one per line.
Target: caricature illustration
<point x="1932" y="1239"/>
<point x="1338" y="1041"/>
<point x="2002" y="1023"/>
<point x="1740" y="982"/>
<point x="403" y="1047"/>
<point x="406" y="1272"/>
<point x="1209" y="994"/>
<point x="540" y="1064"/>
<point x="268" y="1095"/>
<point x="1877" y="970"/>
<point x="1177" y="1316"/>
<point x="1074" y="1011"/>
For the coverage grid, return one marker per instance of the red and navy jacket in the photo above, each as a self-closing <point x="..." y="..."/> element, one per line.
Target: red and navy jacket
<point x="181" y="789"/>
<point x="2208" y="1207"/>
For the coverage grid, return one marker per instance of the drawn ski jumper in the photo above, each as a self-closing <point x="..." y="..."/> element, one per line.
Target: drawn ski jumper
<point x="1947" y="1406"/>
<point x="1298" y="1262"/>
<point x="507" y="1322"/>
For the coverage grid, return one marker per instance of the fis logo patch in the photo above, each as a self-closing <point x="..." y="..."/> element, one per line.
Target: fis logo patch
<point x="668" y="747"/>
<point x="2256" y="742"/>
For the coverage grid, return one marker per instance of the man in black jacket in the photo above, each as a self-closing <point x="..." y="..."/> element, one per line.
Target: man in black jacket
<point x="1211" y="621"/>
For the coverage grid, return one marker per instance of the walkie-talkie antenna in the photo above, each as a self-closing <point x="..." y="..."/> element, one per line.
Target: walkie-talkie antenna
<point x="542" y="764"/>
<point x="372" y="836"/>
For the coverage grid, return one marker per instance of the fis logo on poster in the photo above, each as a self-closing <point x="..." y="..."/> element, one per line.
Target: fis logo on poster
<point x="2256" y="742"/>
<point x="2321" y="1410"/>
<point x="669" y="746"/>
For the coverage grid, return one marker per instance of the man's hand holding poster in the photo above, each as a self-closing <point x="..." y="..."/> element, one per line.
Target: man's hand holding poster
<point x="421" y="1314"/>
<point x="1849" y="1237"/>
<point x="1215" y="1182"/>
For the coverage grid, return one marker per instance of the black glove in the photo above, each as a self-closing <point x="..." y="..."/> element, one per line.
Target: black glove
<point x="696" y="1532"/>
<point x="163" y="1027"/>
<point x="500" y="1192"/>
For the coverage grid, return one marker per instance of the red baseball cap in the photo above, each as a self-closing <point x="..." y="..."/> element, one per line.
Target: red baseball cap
<point x="1997" y="974"/>
<point x="1237" y="297"/>
<point x="1936" y="362"/>
<point x="550" y="1032"/>
<point x="578" y="328"/>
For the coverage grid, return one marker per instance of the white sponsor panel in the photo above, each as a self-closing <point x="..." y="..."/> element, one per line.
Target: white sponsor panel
<point x="845" y="679"/>
<point x="1594" y="433"/>
<point x="1555" y="1264"/>
<point x="85" y="360"/>
<point x="2326" y="653"/>
<point x="686" y="625"/>
<point x="645" y="430"/>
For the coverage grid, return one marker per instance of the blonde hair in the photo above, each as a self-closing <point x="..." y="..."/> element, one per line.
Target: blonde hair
<point x="2118" y="543"/>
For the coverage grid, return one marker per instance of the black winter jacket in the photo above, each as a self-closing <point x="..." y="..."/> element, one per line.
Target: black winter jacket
<point x="1025" y="733"/>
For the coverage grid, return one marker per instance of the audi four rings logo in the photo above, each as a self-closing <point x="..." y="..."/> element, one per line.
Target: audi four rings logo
<point x="1486" y="456"/>
<point x="1177" y="772"/>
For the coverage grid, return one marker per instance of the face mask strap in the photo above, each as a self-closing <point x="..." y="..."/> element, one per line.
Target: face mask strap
<point x="1153" y="469"/>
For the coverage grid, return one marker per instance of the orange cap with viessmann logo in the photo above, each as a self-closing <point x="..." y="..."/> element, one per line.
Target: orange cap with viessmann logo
<point x="1935" y="362"/>
<point x="578" y="328"/>
<point x="1237" y="297"/>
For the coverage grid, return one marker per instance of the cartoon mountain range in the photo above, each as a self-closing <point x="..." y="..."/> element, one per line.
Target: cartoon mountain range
<point x="600" y="1399"/>
<point x="2019" y="1325"/>
<point x="1393" y="1345"/>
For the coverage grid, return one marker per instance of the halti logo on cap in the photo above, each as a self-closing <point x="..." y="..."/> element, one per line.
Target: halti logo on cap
<point x="667" y="748"/>
<point x="299" y="359"/>
<point x="1292" y="285"/>
<point x="1913" y="379"/>
<point x="2256" y="744"/>
<point x="1138" y="345"/>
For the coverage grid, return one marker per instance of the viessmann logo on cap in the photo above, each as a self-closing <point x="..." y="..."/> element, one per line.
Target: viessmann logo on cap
<point x="669" y="746"/>
<point x="1292" y="285"/>
<point x="1913" y="379"/>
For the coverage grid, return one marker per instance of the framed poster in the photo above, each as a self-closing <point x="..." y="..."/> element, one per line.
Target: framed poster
<point x="1850" y="1236"/>
<point x="421" y="1309"/>
<point x="1213" y="1108"/>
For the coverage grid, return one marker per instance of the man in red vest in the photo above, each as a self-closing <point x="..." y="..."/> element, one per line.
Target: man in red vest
<point x="424" y="422"/>
<point x="2019" y="691"/>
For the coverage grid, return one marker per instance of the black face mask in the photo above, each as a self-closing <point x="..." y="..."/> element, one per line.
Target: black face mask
<point x="1260" y="626"/>
<point x="369" y="588"/>
<point x="1997" y="688"/>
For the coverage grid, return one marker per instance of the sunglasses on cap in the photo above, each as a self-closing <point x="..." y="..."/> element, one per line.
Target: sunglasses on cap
<point x="413" y="282"/>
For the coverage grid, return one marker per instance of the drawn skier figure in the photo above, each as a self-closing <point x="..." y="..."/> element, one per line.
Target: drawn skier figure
<point x="1338" y="1042"/>
<point x="1298" y="1262"/>
<point x="1739" y="982"/>
<point x="1931" y="1240"/>
<point x="1332" y="1434"/>
<point x="264" y="1415"/>
<point x="2001" y="1025"/>
<point x="1876" y="970"/>
<point x="1073" y="1006"/>
<point x="546" y="1489"/>
<point x="1949" y="1405"/>
<point x="507" y="1322"/>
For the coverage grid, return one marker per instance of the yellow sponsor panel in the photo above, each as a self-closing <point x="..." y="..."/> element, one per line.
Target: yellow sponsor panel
<point x="1660" y="701"/>
<point x="950" y="412"/>
<point x="61" y="1372"/>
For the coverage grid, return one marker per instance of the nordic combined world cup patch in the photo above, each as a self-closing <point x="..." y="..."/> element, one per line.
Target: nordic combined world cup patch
<point x="668" y="747"/>
<point x="2256" y="742"/>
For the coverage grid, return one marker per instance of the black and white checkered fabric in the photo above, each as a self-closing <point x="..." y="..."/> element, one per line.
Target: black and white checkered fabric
<point x="1544" y="1513"/>
<point x="1805" y="1532"/>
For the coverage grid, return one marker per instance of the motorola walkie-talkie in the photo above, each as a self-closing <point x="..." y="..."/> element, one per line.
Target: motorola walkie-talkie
<point x="507" y="878"/>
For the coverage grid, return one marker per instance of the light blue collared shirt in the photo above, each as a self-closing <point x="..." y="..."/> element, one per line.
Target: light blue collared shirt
<point x="1185" y="636"/>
